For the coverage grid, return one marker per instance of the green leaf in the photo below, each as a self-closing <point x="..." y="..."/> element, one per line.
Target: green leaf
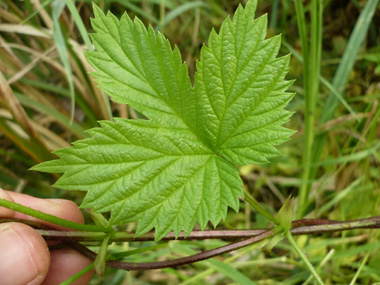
<point x="274" y="241"/>
<point x="161" y="176"/>
<point x="100" y="260"/>
<point x="138" y="68"/>
<point x="240" y="89"/>
<point x="178" y="168"/>
<point x="285" y="215"/>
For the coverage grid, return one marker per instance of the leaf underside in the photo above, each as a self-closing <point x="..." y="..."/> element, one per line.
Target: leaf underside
<point x="177" y="168"/>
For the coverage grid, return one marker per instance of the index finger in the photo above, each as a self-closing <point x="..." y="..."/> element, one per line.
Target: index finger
<point x="64" y="209"/>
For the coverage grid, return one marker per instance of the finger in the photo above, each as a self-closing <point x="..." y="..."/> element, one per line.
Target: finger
<point x="61" y="208"/>
<point x="24" y="255"/>
<point x="4" y="212"/>
<point x="64" y="264"/>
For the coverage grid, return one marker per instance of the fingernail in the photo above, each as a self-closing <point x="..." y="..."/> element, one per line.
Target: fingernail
<point x="16" y="260"/>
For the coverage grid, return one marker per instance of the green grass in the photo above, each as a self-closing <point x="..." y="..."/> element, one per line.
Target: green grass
<point x="330" y="167"/>
<point x="311" y="55"/>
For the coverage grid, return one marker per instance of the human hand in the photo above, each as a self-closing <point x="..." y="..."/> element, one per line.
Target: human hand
<point x="24" y="255"/>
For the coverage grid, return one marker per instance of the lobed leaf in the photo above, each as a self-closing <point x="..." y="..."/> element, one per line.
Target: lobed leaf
<point x="177" y="168"/>
<point x="241" y="90"/>
<point x="137" y="67"/>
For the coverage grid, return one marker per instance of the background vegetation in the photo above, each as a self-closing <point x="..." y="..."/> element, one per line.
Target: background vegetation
<point x="331" y="165"/>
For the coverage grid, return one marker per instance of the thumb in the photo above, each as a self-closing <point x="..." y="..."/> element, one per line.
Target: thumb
<point x="24" y="255"/>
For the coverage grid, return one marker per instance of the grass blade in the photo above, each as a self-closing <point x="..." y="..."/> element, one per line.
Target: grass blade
<point x="351" y="157"/>
<point x="43" y="5"/>
<point x="341" y="77"/>
<point x="78" y="21"/>
<point x="324" y="81"/>
<point x="60" y="43"/>
<point x="217" y="265"/>
<point x="338" y="197"/>
<point x="338" y="96"/>
<point x="349" y="57"/>
<point x="311" y="69"/>
<point x="77" y="129"/>
<point x="178" y="11"/>
<point x="137" y="10"/>
<point x="14" y="106"/>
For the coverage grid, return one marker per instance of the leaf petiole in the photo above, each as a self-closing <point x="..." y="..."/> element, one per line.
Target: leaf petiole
<point x="52" y="219"/>
<point x="255" y="205"/>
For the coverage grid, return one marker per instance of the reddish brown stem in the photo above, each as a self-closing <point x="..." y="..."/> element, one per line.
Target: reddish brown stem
<point x="299" y="227"/>
<point x="179" y="261"/>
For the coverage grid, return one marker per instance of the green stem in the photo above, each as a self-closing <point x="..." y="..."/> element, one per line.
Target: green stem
<point x="303" y="256"/>
<point x="299" y="227"/>
<point x="311" y="67"/>
<point x="52" y="219"/>
<point x="325" y="259"/>
<point x="97" y="218"/>
<point x="120" y="255"/>
<point x="78" y="275"/>
<point x="255" y="205"/>
<point x="308" y="135"/>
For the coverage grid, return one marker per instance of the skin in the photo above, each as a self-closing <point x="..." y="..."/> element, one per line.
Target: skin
<point x="24" y="255"/>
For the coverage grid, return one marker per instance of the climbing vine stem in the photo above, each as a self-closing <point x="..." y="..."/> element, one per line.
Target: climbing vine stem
<point x="245" y="237"/>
